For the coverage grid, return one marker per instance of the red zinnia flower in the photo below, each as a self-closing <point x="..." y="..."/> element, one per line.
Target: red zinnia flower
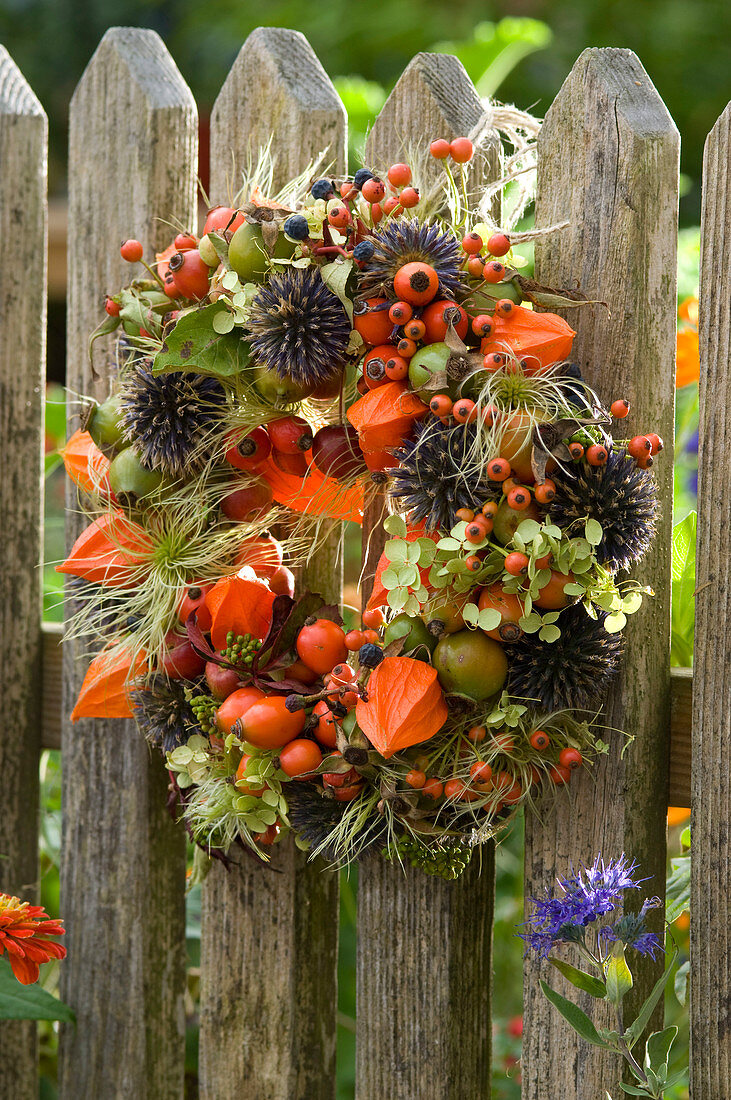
<point x="20" y="926"/>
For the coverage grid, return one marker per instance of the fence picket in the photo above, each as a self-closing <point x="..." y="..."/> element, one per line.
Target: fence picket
<point x="23" y="216"/>
<point x="269" y="939"/>
<point x="132" y="162"/>
<point x="410" y="1041"/>
<point x="710" y="942"/>
<point x="608" y="163"/>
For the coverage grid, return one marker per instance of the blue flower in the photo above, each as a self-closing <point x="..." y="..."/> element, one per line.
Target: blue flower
<point x="588" y="894"/>
<point x="631" y="930"/>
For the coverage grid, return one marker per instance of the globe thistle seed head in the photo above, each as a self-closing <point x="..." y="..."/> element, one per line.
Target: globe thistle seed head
<point x="314" y="818"/>
<point x="435" y="477"/>
<point x="621" y="497"/>
<point x="298" y="327"/>
<point x="163" y="713"/>
<point x="169" y="417"/>
<point x="405" y="240"/>
<point x="572" y="672"/>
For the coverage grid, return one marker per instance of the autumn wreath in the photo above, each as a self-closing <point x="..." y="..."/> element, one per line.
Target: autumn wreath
<point x="312" y="354"/>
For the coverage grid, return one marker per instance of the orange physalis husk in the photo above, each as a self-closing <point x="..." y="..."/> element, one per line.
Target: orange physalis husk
<point x="241" y="605"/>
<point x="383" y="416"/>
<point x="539" y="338"/>
<point x="315" y="493"/>
<point x="111" y="551"/>
<point x="109" y="677"/>
<point x="379" y="594"/>
<point x="85" y="464"/>
<point x="405" y="705"/>
<point x="687" y="358"/>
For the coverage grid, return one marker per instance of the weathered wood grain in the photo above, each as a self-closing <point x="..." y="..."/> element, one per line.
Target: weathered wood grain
<point x="269" y="940"/>
<point x="23" y="226"/>
<point x="132" y="163"/>
<point x="410" y="1040"/>
<point x="710" y="931"/>
<point x="608" y="163"/>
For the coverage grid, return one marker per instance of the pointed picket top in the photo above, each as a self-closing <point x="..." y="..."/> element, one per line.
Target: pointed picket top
<point x="608" y="165"/>
<point x="277" y="90"/>
<point x="710" y="938"/>
<point x="434" y="98"/>
<point x="16" y="95"/>
<point x="132" y="172"/>
<point x="23" y="156"/>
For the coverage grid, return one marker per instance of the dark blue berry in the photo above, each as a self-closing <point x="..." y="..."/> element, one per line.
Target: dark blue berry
<point x="571" y="370"/>
<point x="370" y="656"/>
<point x="322" y="189"/>
<point x="296" y="227"/>
<point x="364" y="251"/>
<point x="361" y="176"/>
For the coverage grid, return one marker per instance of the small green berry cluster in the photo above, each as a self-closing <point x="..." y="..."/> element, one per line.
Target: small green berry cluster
<point x="446" y="858"/>
<point x="204" y="708"/>
<point x="241" y="648"/>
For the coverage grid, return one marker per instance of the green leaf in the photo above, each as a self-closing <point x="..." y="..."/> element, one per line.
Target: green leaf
<point x="449" y="544"/>
<point x="633" y="1090"/>
<point x="549" y="633"/>
<point x="618" y="975"/>
<point x="683" y="590"/>
<point x="427" y="551"/>
<point x="395" y="550"/>
<point x="680" y="982"/>
<point x="470" y="614"/>
<point x="634" y="1031"/>
<point x="658" y="1048"/>
<point x="194" y="345"/>
<point x="632" y="603"/>
<point x="578" y="1019"/>
<point x="489" y="619"/>
<point x="580" y="978"/>
<point x="528" y="530"/>
<point x="593" y="532"/>
<point x="223" y="321"/>
<point x="677" y="890"/>
<point x="395" y="525"/>
<point x="615" y="622"/>
<point x="28" y="1002"/>
<point x="685" y="837"/>
<point x="574" y="589"/>
<point x="335" y="277"/>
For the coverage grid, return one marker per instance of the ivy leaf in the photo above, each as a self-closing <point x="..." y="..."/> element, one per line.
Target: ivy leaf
<point x="396" y="598"/>
<point x="593" y="532"/>
<point x="194" y="345"/>
<point x="615" y="622"/>
<point x="395" y="525"/>
<point x="530" y="623"/>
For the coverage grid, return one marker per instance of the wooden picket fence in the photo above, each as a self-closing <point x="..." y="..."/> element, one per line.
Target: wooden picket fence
<point x="608" y="163"/>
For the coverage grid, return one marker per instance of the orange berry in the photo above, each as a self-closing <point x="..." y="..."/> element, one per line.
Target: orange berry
<point x="392" y="205"/>
<point x="498" y="469"/>
<point x="493" y="271"/>
<point x="373" y="190"/>
<point x="432" y="789"/>
<point x="504" y="307"/>
<point x="539" y="740"/>
<point x="461" y="150"/>
<point x="482" y="325"/>
<point x="639" y="446"/>
<point x="399" y="175"/>
<point x="400" y="313"/>
<point x="354" y="640"/>
<point x="397" y="368"/>
<point x="489" y="508"/>
<point x="516" y="564"/>
<point x="406" y="347"/>
<point x="545" y="492"/>
<point x="415" y="779"/>
<point x="376" y="212"/>
<point x="570" y="758"/>
<point x="416" y="282"/>
<point x="464" y="411"/>
<point x="439" y="149"/>
<point x="498" y="244"/>
<point x="373" y="617"/>
<point x="559" y="774"/>
<point x="576" y="450"/>
<point x="656" y="441"/>
<point x="441" y="404"/>
<point x="519" y="498"/>
<point x="494" y="361"/>
<point x="480" y="771"/>
<point x="415" y="329"/>
<point x="131" y="250"/>
<point x="472" y="244"/>
<point x="370" y="636"/>
<point x="475" y="267"/>
<point x="465" y="514"/>
<point x="619" y="409"/>
<point x="339" y="217"/>
<point x="597" y="455"/>
<point x="409" y="197"/>
<point x="477" y="733"/>
<point x="473" y="563"/>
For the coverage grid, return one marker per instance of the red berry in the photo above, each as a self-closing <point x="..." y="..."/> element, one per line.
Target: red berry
<point x="415" y="779"/>
<point x="415" y="330"/>
<point x="576" y="450"/>
<point x="376" y="212"/>
<point x="354" y="640"/>
<point x="339" y="217"/>
<point x="477" y="733"/>
<point x="190" y="273"/>
<point x="475" y="267"/>
<point x="516" y="564"/>
<point x="519" y="498"/>
<point x="399" y="175"/>
<point x="480" y="771"/>
<point x="494" y="361"/>
<point x="482" y="325"/>
<point x="437" y="317"/>
<point x="656" y="441"/>
<point x="111" y="307"/>
<point x="475" y="532"/>
<point x="185" y="241"/>
<point x="504" y="307"/>
<point x="464" y="411"/>
<point x="416" y="282"/>
<point x="432" y="789"/>
<point x="290" y="435"/>
<point x="400" y="313"/>
<point x="461" y="150"/>
<point x="570" y="758"/>
<point x="441" y="404"/>
<point x="372" y="322"/>
<point x="406" y="347"/>
<point x="645" y="462"/>
<point x="540" y="740"/>
<point x="131" y="251"/>
<point x="619" y="409"/>
<point x="498" y="469"/>
<point x="560" y="774"/>
<point x="493" y="271"/>
<point x="391" y="205"/>
<point x="472" y="244"/>
<point x="439" y="149"/>
<point x="222" y="217"/>
<point x="545" y="492"/>
<point x="373" y="190"/>
<point x="498" y="244"/>
<point x="639" y="446"/>
<point x="409" y="197"/>
<point x="473" y="563"/>
<point x="597" y="455"/>
<point x="397" y="368"/>
<point x="373" y="617"/>
<point x="250" y="452"/>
